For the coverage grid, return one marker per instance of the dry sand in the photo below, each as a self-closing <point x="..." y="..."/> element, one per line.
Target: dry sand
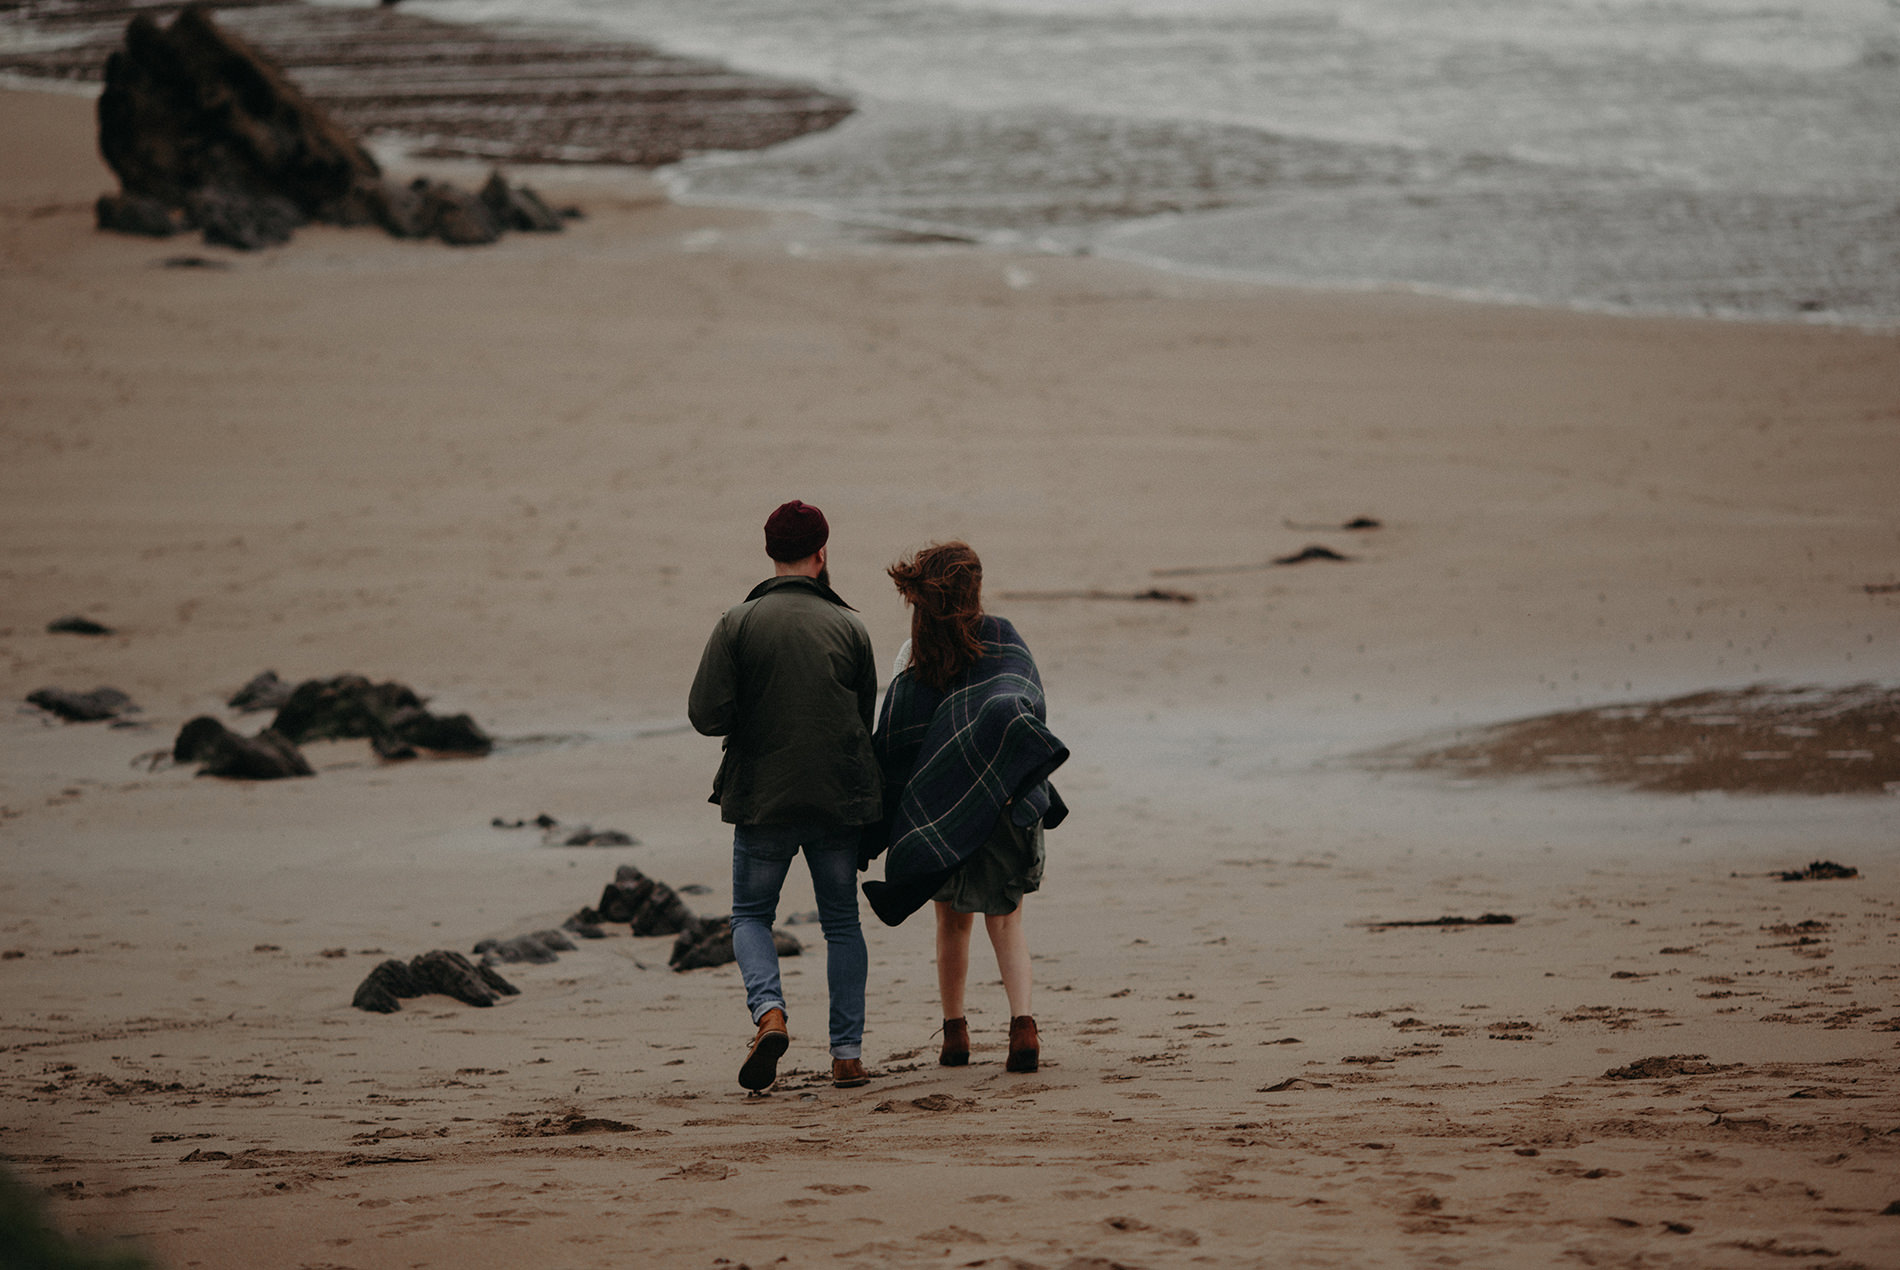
<point x="525" y="479"/>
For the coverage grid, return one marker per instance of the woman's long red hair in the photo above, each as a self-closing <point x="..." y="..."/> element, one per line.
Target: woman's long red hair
<point x="944" y="585"/>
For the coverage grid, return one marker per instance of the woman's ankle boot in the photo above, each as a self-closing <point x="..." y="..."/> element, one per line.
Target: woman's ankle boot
<point x="956" y="1043"/>
<point x="1025" y="1047"/>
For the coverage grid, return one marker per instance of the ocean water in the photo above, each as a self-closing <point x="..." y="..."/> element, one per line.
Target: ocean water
<point x="1736" y="158"/>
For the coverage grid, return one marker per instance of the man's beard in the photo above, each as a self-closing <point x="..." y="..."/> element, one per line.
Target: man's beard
<point x="824" y="576"/>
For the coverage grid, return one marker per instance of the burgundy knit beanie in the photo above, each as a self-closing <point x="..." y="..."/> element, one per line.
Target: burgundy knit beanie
<point x="794" y="531"/>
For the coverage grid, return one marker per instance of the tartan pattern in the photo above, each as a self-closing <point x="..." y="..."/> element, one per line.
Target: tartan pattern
<point x="953" y="760"/>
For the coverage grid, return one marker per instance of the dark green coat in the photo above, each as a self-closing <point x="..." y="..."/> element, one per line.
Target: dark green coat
<point x="789" y="680"/>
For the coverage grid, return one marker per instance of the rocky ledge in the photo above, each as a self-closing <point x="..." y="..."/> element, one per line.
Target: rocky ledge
<point x="459" y="91"/>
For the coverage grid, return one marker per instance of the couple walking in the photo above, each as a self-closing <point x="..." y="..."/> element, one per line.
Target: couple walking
<point x="950" y="784"/>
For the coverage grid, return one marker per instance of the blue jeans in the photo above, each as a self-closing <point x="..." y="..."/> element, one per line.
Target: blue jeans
<point x="761" y="857"/>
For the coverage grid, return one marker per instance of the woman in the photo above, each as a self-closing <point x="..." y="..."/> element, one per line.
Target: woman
<point x="966" y="755"/>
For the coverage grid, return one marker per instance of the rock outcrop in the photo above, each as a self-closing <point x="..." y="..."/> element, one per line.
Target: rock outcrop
<point x="449" y="973"/>
<point x="268" y="756"/>
<point x="647" y="906"/>
<point x="265" y="691"/>
<point x="708" y="942"/>
<point x="538" y="948"/>
<point x="390" y="715"/>
<point x="82" y="707"/>
<point x="206" y="132"/>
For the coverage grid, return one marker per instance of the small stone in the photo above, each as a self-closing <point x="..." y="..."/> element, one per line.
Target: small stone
<point x="76" y="625"/>
<point x="82" y="707"/>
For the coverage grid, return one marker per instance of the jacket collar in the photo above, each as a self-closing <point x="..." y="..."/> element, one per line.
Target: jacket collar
<point x="800" y="582"/>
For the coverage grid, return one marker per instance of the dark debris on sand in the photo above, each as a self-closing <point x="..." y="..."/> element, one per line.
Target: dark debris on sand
<point x="537" y="948"/>
<point x="1487" y="919"/>
<point x="554" y="833"/>
<point x="647" y="906"/>
<point x="76" y="625"/>
<point x="449" y="973"/>
<point x="394" y="719"/>
<point x="708" y="942"/>
<point x="650" y="907"/>
<point x="265" y="691"/>
<point x="1658" y="1067"/>
<point x="82" y="707"/>
<point x="390" y="715"/>
<point x="219" y="751"/>
<point x="1764" y="739"/>
<point x="1818" y="871"/>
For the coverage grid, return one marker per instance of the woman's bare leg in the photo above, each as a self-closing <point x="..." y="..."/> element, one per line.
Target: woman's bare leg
<point x="1012" y="957"/>
<point x="953" y="957"/>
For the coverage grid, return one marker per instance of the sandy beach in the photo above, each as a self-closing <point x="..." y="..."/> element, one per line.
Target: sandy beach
<point x="526" y="479"/>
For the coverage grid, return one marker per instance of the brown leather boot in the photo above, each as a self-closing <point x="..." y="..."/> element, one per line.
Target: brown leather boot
<point x="848" y="1073"/>
<point x="956" y="1043"/>
<point x="1025" y="1046"/>
<point x="761" y="1061"/>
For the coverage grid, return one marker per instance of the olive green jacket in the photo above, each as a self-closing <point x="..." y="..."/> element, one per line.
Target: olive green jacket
<point x="788" y="679"/>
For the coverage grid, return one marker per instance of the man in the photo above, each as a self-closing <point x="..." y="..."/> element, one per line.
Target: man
<point x="789" y="680"/>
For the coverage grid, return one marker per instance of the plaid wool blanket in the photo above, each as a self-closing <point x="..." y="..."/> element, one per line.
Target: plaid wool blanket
<point x="953" y="761"/>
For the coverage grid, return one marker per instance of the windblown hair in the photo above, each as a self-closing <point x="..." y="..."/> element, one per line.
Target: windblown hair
<point x="944" y="585"/>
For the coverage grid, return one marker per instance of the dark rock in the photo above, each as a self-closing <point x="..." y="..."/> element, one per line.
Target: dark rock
<point x="454" y="975"/>
<point x="649" y="907"/>
<point x="457" y="217"/>
<point x="375" y="998"/>
<point x="248" y="222"/>
<point x="379" y="992"/>
<point x="390" y="715"/>
<point x="76" y="625"/>
<point x="267" y="756"/>
<point x="493" y="979"/>
<point x="1486" y="919"/>
<point x="588" y="836"/>
<point x="194" y="262"/>
<point x="399" y="209"/>
<point x="1819" y="871"/>
<point x="545" y="821"/>
<point x="521" y="948"/>
<point x="1660" y="1066"/>
<point x="135" y="214"/>
<point x="193" y="116"/>
<point x="1310" y="553"/>
<point x="346" y="706"/>
<point x="82" y="707"/>
<point x="448" y="734"/>
<point x="391" y="749"/>
<point x="265" y="691"/>
<point x="359" y="205"/>
<point x="518" y="207"/>
<point x="708" y="942"/>
<point x="583" y="926"/>
<point x="538" y="948"/>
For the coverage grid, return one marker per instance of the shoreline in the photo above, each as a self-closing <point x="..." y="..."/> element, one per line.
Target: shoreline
<point x="333" y="52"/>
<point x="526" y="478"/>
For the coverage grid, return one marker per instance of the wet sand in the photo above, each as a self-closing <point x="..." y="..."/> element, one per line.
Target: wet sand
<point x="525" y="479"/>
